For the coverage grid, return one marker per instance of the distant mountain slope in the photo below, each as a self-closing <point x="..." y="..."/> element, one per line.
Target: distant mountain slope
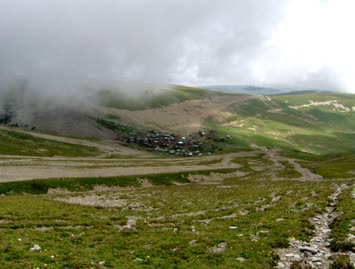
<point x="15" y="142"/>
<point x="316" y="123"/>
<point x="153" y="98"/>
<point x="319" y="123"/>
<point x="256" y="90"/>
<point x="245" y="89"/>
<point x="25" y="110"/>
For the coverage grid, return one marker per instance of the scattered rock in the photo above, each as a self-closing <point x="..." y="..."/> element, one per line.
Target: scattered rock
<point x="308" y="249"/>
<point x="219" y="249"/>
<point x="193" y="243"/>
<point x="35" y="248"/>
<point x="240" y="259"/>
<point x="316" y="253"/>
<point x="244" y="212"/>
<point x="263" y="232"/>
<point x="350" y="238"/>
<point x="131" y="224"/>
<point x="292" y="255"/>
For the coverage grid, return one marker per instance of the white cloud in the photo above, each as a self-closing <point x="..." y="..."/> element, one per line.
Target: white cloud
<point x="59" y="45"/>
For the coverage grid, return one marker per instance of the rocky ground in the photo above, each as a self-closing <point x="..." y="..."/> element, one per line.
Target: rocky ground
<point x="317" y="252"/>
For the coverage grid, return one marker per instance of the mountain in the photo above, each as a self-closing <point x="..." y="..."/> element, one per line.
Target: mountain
<point x="245" y="89"/>
<point x="257" y="90"/>
<point x="186" y="176"/>
<point x="317" y="123"/>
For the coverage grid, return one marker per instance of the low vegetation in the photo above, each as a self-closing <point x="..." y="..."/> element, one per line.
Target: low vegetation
<point x="238" y="224"/>
<point x="21" y="144"/>
<point x="153" y="98"/>
<point x="85" y="184"/>
<point x="314" y="123"/>
<point x="298" y="150"/>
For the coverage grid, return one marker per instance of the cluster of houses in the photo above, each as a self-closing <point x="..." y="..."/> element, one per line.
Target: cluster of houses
<point x="193" y="145"/>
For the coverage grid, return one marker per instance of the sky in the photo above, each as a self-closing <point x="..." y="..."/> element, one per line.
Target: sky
<point x="60" y="46"/>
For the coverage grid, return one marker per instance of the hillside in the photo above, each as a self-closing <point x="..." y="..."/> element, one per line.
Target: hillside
<point x="245" y="89"/>
<point x="318" y="123"/>
<point x="314" y="123"/>
<point x="269" y="182"/>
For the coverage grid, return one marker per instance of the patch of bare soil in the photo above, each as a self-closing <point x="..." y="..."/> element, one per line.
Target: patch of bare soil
<point x="184" y="118"/>
<point x="275" y="157"/>
<point x="337" y="106"/>
<point x="94" y="200"/>
<point x="214" y="178"/>
<point x="15" y="169"/>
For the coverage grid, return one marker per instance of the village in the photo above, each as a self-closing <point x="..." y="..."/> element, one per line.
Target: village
<point x="197" y="144"/>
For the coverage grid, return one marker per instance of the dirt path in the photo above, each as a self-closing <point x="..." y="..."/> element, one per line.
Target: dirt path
<point x="15" y="168"/>
<point x="275" y="156"/>
<point x="19" y="169"/>
<point x="316" y="253"/>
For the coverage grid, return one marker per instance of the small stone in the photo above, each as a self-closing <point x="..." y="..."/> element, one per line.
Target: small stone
<point x="281" y="265"/>
<point x="263" y="232"/>
<point x="233" y="227"/>
<point x="131" y="223"/>
<point x="35" y="248"/>
<point x="293" y="256"/>
<point x="316" y="259"/>
<point x="220" y="248"/>
<point x="240" y="259"/>
<point x="102" y="263"/>
<point x="193" y="242"/>
<point x="20" y="240"/>
<point x="280" y="219"/>
<point x="308" y="249"/>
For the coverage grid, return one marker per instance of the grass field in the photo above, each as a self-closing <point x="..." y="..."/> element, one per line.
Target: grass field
<point x="21" y="144"/>
<point x="235" y="225"/>
<point x="289" y="155"/>
<point x="238" y="223"/>
<point x="291" y="123"/>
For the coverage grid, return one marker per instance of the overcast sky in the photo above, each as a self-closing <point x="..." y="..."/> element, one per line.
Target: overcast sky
<point x="60" y="45"/>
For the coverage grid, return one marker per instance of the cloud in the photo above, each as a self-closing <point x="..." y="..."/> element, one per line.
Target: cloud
<point x="60" y="46"/>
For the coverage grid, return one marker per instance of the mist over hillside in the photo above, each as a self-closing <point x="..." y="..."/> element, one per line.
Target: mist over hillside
<point x="111" y="156"/>
<point x="61" y="47"/>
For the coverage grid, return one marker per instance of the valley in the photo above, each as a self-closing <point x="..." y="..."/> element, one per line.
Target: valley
<point x="276" y="192"/>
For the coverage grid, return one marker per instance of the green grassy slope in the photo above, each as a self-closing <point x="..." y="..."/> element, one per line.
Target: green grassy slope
<point x="153" y="99"/>
<point x="178" y="226"/>
<point x="20" y="144"/>
<point x="285" y="122"/>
